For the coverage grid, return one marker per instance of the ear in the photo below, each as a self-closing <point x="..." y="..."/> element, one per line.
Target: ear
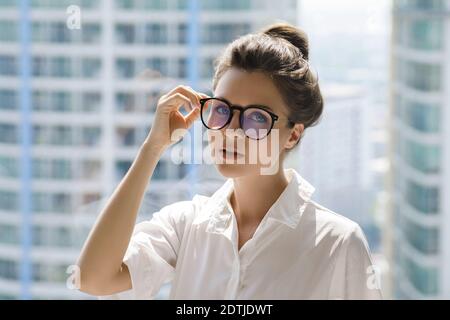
<point x="296" y="133"/>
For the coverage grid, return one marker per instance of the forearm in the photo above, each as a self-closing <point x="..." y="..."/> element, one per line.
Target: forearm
<point x="104" y="250"/>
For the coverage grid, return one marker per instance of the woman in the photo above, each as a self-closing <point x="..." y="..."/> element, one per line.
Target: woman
<point x="260" y="236"/>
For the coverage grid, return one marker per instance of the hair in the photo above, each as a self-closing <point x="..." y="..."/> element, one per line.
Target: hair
<point x="280" y="51"/>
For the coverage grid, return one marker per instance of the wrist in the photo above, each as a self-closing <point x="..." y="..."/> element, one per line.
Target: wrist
<point x="153" y="147"/>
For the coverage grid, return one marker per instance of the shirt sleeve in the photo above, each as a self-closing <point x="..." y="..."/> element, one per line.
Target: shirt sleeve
<point x="152" y="252"/>
<point x="362" y="277"/>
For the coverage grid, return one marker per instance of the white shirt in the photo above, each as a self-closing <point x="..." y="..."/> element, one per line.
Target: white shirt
<point x="300" y="250"/>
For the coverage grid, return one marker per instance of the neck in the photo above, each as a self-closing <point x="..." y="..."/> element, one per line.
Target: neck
<point x="253" y="196"/>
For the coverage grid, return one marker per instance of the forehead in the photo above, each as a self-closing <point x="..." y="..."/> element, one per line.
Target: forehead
<point x="244" y="88"/>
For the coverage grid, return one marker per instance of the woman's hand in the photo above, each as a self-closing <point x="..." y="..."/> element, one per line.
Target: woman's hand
<point x="169" y="125"/>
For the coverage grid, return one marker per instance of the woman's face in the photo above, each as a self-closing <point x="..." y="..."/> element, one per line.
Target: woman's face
<point x="253" y="157"/>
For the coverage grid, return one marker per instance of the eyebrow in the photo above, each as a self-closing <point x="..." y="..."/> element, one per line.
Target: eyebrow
<point x="250" y="105"/>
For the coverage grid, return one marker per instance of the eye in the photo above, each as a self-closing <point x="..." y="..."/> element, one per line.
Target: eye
<point x="222" y="109"/>
<point x="258" y="117"/>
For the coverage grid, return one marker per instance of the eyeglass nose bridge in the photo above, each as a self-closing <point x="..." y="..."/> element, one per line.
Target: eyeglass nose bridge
<point x="232" y="109"/>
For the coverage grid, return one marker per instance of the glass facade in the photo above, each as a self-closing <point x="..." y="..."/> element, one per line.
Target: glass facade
<point x="425" y="199"/>
<point x="423" y="157"/>
<point x="424" y="279"/>
<point x="419" y="29"/>
<point x="422" y="5"/>
<point x="420" y="76"/>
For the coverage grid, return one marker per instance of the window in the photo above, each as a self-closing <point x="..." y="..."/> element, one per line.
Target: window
<point x="40" y="31"/>
<point x="59" y="32"/>
<point x="125" y="101"/>
<point x="422" y="76"/>
<point x="61" y="101"/>
<point x="420" y="4"/>
<point x="49" y="273"/>
<point x="90" y="67"/>
<point x="225" y="5"/>
<point x="125" y="68"/>
<point x="122" y="167"/>
<point x="155" y="4"/>
<point x="125" y="4"/>
<point x="40" y="202"/>
<point x="41" y="134"/>
<point x="9" y="167"/>
<point x="8" y="99"/>
<point x="90" y="136"/>
<point x="90" y="169"/>
<point x="8" y="133"/>
<point x="41" y="168"/>
<point x="8" y="31"/>
<point x="158" y="64"/>
<point x="182" y="68"/>
<point x="8" y="3"/>
<point x="219" y="33"/>
<point x="182" y="33"/>
<point x="8" y="65"/>
<point x="424" y="239"/>
<point x="39" y="67"/>
<point x="90" y="33"/>
<point x="61" y="169"/>
<point x="40" y="100"/>
<point x="9" y="200"/>
<point x="62" y="237"/>
<point x="39" y="236"/>
<point x="125" y="33"/>
<point x="91" y="101"/>
<point x="425" y="34"/>
<point x="61" y="202"/>
<point x="424" y="279"/>
<point x="160" y="172"/>
<point x="424" y="117"/>
<point x="207" y="68"/>
<point x="155" y="33"/>
<point x="423" y="157"/>
<point x="60" y="67"/>
<point x="9" y="269"/>
<point x="423" y="198"/>
<point x="9" y="234"/>
<point x="126" y="136"/>
<point x="61" y="135"/>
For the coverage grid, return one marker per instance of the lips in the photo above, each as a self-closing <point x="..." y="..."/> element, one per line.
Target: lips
<point x="231" y="152"/>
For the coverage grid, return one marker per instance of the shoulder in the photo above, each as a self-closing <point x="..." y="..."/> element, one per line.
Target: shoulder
<point x="330" y="224"/>
<point x="185" y="210"/>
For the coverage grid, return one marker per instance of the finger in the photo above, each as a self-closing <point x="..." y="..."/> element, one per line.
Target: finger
<point x="188" y="93"/>
<point x="177" y="100"/>
<point x="192" y="94"/>
<point x="192" y="116"/>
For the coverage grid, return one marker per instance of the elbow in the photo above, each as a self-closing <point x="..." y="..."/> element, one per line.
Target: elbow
<point x="93" y="286"/>
<point x="88" y="281"/>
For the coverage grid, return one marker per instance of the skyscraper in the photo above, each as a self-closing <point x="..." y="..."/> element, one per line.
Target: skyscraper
<point x="419" y="238"/>
<point x="75" y="105"/>
<point x="334" y="155"/>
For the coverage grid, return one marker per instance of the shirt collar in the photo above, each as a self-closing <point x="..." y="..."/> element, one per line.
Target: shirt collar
<point x="287" y="209"/>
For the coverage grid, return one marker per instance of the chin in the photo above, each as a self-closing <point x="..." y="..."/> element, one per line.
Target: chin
<point x="237" y="170"/>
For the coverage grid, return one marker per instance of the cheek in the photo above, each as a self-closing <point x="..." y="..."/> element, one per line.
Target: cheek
<point x="277" y="139"/>
<point x="213" y="138"/>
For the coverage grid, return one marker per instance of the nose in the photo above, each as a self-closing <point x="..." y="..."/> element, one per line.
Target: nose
<point x="234" y="123"/>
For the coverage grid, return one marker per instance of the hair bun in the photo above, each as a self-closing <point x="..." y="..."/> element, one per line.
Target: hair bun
<point x="290" y="33"/>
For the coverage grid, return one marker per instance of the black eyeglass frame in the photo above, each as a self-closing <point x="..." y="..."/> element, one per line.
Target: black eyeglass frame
<point x="241" y="110"/>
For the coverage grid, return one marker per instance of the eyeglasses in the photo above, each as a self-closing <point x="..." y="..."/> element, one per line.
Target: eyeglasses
<point x="255" y="120"/>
